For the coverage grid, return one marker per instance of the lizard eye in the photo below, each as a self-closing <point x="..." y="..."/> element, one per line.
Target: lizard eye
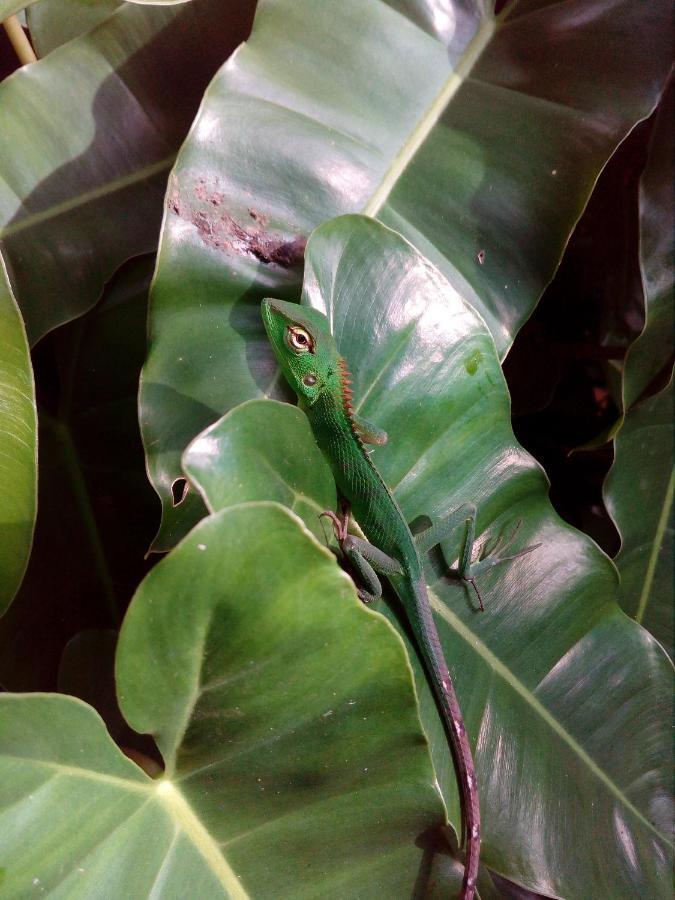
<point x="299" y="340"/>
<point x="309" y="380"/>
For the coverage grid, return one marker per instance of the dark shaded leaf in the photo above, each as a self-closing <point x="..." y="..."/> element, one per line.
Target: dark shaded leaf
<point x="639" y="497"/>
<point x="87" y="138"/>
<point x="652" y="352"/>
<point x="87" y="671"/>
<point x="96" y="509"/>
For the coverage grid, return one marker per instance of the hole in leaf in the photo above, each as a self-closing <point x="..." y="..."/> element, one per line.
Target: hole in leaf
<point x="179" y="490"/>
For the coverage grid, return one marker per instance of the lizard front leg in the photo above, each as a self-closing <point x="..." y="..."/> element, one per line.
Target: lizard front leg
<point x="370" y="433"/>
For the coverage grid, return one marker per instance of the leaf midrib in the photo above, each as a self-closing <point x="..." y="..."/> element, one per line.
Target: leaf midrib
<point x="78" y="200"/>
<point x="168" y="796"/>
<point x="427" y="122"/>
<point x="508" y="676"/>
<point x="181" y="811"/>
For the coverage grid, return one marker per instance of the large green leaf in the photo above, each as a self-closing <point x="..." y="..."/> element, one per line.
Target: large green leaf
<point x="55" y="22"/>
<point x="479" y="138"/>
<point x="18" y="446"/>
<point x="638" y="494"/>
<point x="295" y="763"/>
<point x="566" y="700"/>
<point x="653" y="349"/>
<point x="87" y="138"/>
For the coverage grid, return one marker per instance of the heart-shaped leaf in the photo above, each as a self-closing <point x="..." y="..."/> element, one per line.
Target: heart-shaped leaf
<point x="286" y="716"/>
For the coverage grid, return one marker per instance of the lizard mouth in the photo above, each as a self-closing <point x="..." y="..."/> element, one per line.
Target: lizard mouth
<point x="266" y="310"/>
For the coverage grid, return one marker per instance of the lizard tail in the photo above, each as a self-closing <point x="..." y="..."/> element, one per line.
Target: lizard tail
<point x="429" y="642"/>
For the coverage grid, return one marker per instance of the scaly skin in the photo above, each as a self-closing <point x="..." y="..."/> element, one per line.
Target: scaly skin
<point x="311" y="363"/>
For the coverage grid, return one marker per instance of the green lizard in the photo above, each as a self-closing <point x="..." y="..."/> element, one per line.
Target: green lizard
<point x="309" y="358"/>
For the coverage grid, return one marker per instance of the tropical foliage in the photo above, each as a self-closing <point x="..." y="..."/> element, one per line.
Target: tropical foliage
<point x="228" y="719"/>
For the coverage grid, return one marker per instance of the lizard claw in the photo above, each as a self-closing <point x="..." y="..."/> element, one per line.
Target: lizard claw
<point x="487" y="562"/>
<point x="493" y="554"/>
<point x="472" y="581"/>
<point x="340" y="524"/>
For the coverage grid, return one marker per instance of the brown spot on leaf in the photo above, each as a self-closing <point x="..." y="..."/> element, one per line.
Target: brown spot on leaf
<point x="258" y="217"/>
<point x="219" y="230"/>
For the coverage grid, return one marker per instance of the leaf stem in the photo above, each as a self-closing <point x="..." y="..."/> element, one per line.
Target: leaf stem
<point x="19" y="41"/>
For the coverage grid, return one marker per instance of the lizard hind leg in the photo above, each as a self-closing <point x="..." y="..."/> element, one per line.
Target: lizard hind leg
<point x="341" y="521"/>
<point x="492" y="553"/>
<point x="364" y="557"/>
<point x="366" y="560"/>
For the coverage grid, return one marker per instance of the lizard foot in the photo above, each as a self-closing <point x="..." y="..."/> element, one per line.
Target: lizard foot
<point x="492" y="554"/>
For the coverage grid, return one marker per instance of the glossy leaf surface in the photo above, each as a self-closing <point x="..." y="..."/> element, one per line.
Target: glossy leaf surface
<point x="110" y="109"/>
<point x="549" y="746"/>
<point x="451" y="126"/>
<point x="18" y="446"/>
<point x="254" y="441"/>
<point x="639" y="497"/>
<point x="274" y="733"/>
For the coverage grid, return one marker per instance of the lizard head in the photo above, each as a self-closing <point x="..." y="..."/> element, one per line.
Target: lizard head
<point x="304" y="347"/>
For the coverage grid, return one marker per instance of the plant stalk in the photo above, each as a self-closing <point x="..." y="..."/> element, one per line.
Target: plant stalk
<point x="19" y="41"/>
